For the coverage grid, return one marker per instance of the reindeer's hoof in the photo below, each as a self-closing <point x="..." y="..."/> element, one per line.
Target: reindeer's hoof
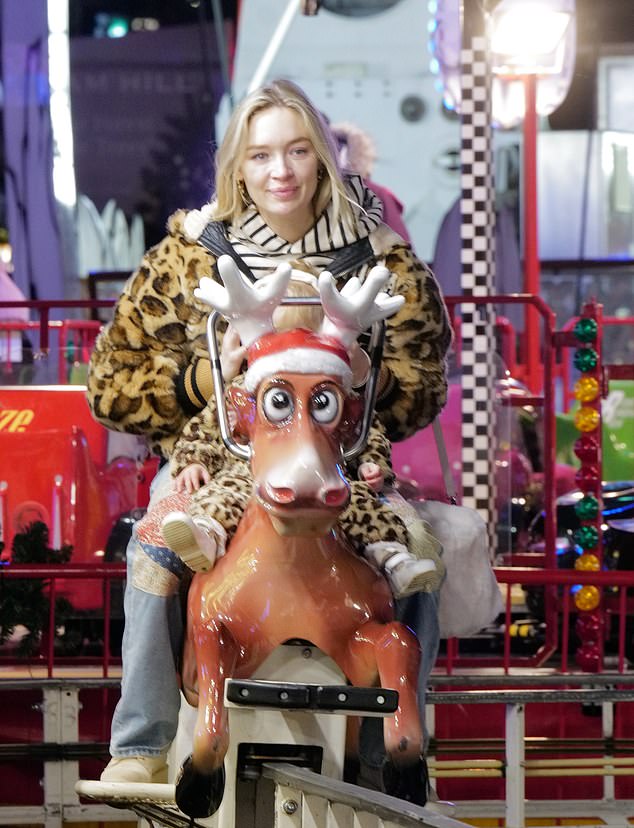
<point x="199" y="794"/>
<point x="409" y="782"/>
<point x="378" y="772"/>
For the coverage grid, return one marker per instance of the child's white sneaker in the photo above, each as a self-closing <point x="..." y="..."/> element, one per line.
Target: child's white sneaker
<point x="405" y="573"/>
<point x="408" y="575"/>
<point x="194" y="544"/>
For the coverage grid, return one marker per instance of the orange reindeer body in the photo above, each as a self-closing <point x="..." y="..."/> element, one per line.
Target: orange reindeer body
<point x="289" y="574"/>
<point x="266" y="591"/>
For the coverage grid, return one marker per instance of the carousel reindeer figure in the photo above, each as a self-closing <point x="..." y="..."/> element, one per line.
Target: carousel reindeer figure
<point x="289" y="573"/>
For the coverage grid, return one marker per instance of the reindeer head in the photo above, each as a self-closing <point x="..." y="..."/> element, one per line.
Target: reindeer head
<point x="296" y="407"/>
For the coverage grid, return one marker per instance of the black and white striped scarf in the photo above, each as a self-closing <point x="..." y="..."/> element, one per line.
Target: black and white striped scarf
<point x="262" y="250"/>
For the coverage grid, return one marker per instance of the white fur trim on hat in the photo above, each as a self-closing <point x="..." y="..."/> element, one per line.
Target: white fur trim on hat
<point x="298" y="361"/>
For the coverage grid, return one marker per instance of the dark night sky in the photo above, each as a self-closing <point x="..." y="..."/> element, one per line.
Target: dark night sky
<point x="603" y="26"/>
<point x="599" y="21"/>
<point x="168" y="12"/>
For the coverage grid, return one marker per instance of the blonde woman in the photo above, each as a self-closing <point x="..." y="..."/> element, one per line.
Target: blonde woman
<point x="280" y="196"/>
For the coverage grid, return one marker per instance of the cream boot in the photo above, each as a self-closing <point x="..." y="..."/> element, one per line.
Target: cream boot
<point x="136" y="769"/>
<point x="405" y="573"/>
<point x="194" y="540"/>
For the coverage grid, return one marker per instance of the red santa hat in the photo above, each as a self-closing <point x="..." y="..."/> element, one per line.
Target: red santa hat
<point x="298" y="351"/>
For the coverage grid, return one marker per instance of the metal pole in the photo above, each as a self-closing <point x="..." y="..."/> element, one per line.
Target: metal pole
<point x="274" y="46"/>
<point x="515" y="772"/>
<point x="219" y="29"/>
<point x="531" y="244"/>
<point x="477" y="260"/>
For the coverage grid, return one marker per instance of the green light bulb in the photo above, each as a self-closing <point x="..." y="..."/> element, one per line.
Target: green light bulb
<point x="586" y="330"/>
<point x="587" y="508"/>
<point x="587" y="537"/>
<point x="585" y="359"/>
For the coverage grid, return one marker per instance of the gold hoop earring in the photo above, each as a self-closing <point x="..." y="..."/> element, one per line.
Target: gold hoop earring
<point x="244" y="195"/>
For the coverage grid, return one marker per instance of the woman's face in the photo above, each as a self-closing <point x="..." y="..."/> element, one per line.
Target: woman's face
<point x="280" y="171"/>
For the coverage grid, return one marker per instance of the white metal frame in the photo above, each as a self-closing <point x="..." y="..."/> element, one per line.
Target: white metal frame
<point x="515" y="768"/>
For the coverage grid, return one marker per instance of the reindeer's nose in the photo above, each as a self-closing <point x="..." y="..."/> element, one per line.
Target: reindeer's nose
<point x="334" y="495"/>
<point x="280" y="494"/>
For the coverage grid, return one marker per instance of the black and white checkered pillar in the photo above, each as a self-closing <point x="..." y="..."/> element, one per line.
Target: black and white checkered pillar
<point x="478" y="278"/>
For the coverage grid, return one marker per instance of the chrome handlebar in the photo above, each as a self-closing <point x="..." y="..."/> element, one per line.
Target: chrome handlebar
<point x="377" y="339"/>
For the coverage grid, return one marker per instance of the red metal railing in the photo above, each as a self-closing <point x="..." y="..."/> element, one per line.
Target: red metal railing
<point x="43" y="308"/>
<point x="549" y="577"/>
<point x="558" y="583"/>
<point x="546" y="401"/>
<point x="557" y="607"/>
<point x="618" y="607"/>
<point x="70" y="340"/>
<point x="74" y="336"/>
<point x="51" y="573"/>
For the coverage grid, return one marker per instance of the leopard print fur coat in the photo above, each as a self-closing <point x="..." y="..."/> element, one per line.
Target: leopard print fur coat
<point x="135" y="379"/>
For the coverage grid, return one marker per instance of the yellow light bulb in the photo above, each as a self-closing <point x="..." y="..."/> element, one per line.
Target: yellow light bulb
<point x="586" y="389"/>
<point x="587" y="598"/>
<point x="586" y="419"/>
<point x="587" y="563"/>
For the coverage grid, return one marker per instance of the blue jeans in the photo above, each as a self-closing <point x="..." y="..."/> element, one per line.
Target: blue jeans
<point x="420" y="613"/>
<point x="146" y="716"/>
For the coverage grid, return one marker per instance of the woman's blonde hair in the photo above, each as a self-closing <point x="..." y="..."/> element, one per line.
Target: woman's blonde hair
<point x="229" y="201"/>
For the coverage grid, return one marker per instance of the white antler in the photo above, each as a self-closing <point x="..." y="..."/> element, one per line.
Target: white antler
<point x="357" y="306"/>
<point x="248" y="306"/>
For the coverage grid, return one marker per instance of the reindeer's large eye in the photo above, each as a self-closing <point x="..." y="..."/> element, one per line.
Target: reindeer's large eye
<point x="277" y="404"/>
<point x="324" y="406"/>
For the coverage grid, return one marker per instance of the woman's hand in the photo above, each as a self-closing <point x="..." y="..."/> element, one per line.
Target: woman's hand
<point x="232" y="354"/>
<point x="371" y="474"/>
<point x="191" y="478"/>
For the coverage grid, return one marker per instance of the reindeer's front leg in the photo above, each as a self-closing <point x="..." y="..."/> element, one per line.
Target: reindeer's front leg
<point x="200" y="785"/>
<point x="393" y="651"/>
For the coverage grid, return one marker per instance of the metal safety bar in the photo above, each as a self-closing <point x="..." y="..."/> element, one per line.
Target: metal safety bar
<point x="306" y="798"/>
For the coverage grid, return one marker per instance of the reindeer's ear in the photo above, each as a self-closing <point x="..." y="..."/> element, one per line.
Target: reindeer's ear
<point x="350" y="424"/>
<point x="241" y="413"/>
